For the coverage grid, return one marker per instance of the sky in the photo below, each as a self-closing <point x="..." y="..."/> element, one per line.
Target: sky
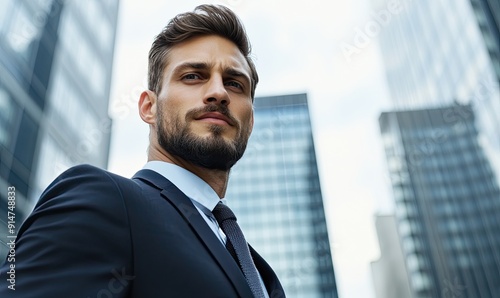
<point x="327" y="49"/>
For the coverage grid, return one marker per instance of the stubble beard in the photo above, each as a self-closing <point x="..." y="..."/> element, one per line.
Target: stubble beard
<point x="211" y="152"/>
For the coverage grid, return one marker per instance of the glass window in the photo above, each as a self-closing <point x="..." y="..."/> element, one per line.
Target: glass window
<point x="5" y="14"/>
<point x="22" y="33"/>
<point x="53" y="163"/>
<point x="58" y="91"/>
<point x="103" y="31"/>
<point x="96" y="21"/>
<point x="90" y="140"/>
<point x="404" y="228"/>
<point x="97" y="77"/>
<point x="408" y="244"/>
<point x="6" y="115"/>
<point x="420" y="281"/>
<point x="110" y="3"/>
<point x="69" y="32"/>
<point x="26" y="141"/>
<point x="84" y="58"/>
<point x="412" y="262"/>
<point x="5" y="106"/>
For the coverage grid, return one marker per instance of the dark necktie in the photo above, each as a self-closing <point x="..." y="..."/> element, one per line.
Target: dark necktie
<point x="235" y="240"/>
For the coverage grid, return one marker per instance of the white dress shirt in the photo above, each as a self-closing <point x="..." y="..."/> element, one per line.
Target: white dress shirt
<point x="201" y="194"/>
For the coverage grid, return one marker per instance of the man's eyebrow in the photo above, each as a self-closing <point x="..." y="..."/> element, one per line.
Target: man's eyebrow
<point x="193" y="65"/>
<point x="233" y="72"/>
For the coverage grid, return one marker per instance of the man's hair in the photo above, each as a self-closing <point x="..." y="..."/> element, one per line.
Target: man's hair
<point x="204" y="20"/>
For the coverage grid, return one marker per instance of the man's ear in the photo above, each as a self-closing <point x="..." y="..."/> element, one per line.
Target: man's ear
<point x="148" y="106"/>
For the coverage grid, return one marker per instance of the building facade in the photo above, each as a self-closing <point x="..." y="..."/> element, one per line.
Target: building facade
<point x="442" y="61"/>
<point x="440" y="52"/>
<point x="55" y="67"/>
<point x="488" y="18"/>
<point x="275" y="192"/>
<point x="447" y="201"/>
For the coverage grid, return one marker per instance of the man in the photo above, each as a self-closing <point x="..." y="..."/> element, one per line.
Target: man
<point x="164" y="232"/>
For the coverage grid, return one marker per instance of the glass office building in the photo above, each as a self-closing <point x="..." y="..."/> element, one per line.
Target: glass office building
<point x="275" y="193"/>
<point x="442" y="61"/>
<point x="447" y="202"/>
<point x="439" y="52"/>
<point x="55" y="69"/>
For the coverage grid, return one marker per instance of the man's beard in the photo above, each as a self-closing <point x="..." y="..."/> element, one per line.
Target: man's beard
<point x="212" y="152"/>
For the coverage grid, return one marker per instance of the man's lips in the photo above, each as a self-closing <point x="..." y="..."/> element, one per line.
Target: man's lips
<point x="216" y="117"/>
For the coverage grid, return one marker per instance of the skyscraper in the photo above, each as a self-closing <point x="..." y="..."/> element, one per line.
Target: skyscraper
<point x="443" y="147"/>
<point x="447" y="202"/>
<point x="439" y="52"/>
<point x="55" y="68"/>
<point x="275" y="192"/>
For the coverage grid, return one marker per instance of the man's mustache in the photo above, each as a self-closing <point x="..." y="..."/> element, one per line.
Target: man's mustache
<point x="211" y="108"/>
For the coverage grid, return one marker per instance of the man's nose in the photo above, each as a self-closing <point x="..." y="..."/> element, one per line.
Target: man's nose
<point x="216" y="91"/>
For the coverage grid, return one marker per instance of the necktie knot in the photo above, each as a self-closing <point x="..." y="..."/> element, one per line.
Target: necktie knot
<point x="222" y="213"/>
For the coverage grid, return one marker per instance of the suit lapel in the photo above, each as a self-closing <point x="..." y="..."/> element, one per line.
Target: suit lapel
<point x="189" y="212"/>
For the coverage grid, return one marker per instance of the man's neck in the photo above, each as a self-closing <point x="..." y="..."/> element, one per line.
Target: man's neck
<point x="217" y="179"/>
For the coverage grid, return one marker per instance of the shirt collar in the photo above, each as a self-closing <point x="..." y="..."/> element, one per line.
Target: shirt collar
<point x="191" y="185"/>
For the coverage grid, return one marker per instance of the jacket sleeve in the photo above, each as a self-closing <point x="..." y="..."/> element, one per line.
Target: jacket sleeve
<point x="76" y="242"/>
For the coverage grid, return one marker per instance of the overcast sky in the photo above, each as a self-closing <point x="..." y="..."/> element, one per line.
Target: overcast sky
<point x="298" y="46"/>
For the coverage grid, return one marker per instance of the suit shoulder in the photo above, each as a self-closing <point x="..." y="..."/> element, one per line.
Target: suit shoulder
<point x="84" y="192"/>
<point x="89" y="170"/>
<point x="85" y="173"/>
<point x="89" y="183"/>
<point x="81" y="216"/>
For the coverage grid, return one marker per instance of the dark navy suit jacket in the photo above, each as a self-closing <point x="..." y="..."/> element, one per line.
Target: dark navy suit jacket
<point x="96" y="234"/>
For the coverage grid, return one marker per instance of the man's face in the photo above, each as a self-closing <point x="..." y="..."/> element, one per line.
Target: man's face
<point x="205" y="113"/>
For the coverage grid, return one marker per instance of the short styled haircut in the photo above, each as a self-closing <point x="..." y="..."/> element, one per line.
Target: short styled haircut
<point x="204" y="20"/>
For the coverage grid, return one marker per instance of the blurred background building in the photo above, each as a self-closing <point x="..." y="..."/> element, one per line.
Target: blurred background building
<point x="439" y="52"/>
<point x="447" y="202"/>
<point x="55" y="68"/>
<point x="442" y="142"/>
<point x="275" y="191"/>
<point x="390" y="278"/>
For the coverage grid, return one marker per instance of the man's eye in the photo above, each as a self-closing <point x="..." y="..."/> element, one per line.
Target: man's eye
<point x="234" y="84"/>
<point x="191" y="76"/>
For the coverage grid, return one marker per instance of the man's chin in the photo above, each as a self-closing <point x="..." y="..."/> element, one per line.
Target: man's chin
<point x="216" y="133"/>
<point x="210" y="152"/>
<point x="212" y="160"/>
<point x="209" y="129"/>
<point x="208" y="146"/>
